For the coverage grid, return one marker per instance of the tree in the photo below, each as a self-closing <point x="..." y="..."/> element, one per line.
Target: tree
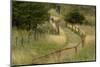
<point x="28" y="15"/>
<point x="25" y="13"/>
<point x="75" y="17"/>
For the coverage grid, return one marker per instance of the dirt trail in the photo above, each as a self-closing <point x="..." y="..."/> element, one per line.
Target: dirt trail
<point x="61" y="39"/>
<point x="89" y="40"/>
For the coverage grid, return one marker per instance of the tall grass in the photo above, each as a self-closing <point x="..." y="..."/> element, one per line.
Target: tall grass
<point x="86" y="54"/>
<point x="30" y="49"/>
<point x="24" y="54"/>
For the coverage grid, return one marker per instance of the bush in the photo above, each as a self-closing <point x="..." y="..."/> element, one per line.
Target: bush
<point x="74" y="17"/>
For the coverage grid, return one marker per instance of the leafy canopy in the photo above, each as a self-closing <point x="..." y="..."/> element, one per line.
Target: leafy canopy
<point x="28" y="15"/>
<point x="75" y="17"/>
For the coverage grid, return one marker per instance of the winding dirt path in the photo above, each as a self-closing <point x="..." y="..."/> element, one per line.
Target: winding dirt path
<point x="60" y="55"/>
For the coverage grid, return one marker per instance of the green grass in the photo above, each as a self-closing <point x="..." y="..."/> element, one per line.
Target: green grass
<point x="86" y="54"/>
<point x="24" y="54"/>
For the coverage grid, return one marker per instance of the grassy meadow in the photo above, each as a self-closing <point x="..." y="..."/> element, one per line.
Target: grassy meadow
<point x="40" y="29"/>
<point x="23" y="54"/>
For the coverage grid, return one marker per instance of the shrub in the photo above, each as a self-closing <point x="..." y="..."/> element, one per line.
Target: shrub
<point x="74" y="17"/>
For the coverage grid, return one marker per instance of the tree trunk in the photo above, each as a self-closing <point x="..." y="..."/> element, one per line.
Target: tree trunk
<point x="35" y="34"/>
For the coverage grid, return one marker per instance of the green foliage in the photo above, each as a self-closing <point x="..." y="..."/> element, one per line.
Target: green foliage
<point x="29" y="15"/>
<point x="74" y="17"/>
